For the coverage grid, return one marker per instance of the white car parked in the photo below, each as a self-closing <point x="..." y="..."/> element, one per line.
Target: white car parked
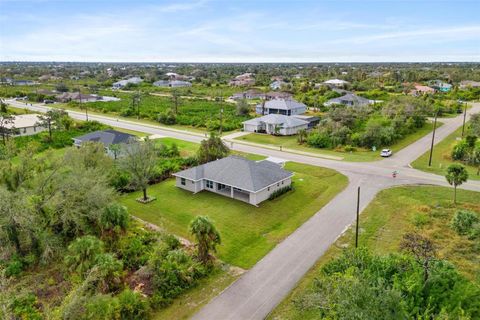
<point x="386" y="153"/>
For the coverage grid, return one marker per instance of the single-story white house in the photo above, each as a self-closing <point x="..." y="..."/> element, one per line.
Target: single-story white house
<point x="108" y="138"/>
<point x="277" y="124"/>
<point x="237" y="178"/>
<point x="25" y="125"/>
<point x="122" y="83"/>
<point x="288" y="107"/>
<point x="172" y="83"/>
<point x="277" y="84"/>
<point x="336" y="83"/>
<point x="349" y="100"/>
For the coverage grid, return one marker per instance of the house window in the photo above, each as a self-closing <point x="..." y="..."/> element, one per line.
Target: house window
<point x="24" y="130"/>
<point x="220" y="186"/>
<point x="268" y="188"/>
<point x="182" y="181"/>
<point x="209" y="184"/>
<point x="282" y="182"/>
<point x="278" y="184"/>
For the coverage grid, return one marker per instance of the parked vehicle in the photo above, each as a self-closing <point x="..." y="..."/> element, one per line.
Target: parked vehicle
<point x="386" y="153"/>
<point x="48" y="101"/>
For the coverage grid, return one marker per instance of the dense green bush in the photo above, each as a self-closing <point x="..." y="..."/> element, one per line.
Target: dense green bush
<point x="464" y="221"/>
<point x="359" y="285"/>
<point x="174" y="271"/>
<point x="281" y="191"/>
<point x="132" y="306"/>
<point x="26" y="307"/>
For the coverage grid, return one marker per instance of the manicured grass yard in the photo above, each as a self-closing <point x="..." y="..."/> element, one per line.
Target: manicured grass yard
<point x="441" y="157"/>
<point x="248" y="232"/>
<point x="393" y="213"/>
<point x="290" y="142"/>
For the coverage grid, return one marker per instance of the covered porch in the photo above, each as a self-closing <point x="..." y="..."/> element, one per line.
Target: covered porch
<point x="232" y="192"/>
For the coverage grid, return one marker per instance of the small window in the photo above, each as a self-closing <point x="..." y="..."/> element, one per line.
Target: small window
<point x="268" y="188"/>
<point x="278" y="184"/>
<point x="182" y="181"/>
<point x="24" y="130"/>
<point x="209" y="184"/>
<point x="282" y="182"/>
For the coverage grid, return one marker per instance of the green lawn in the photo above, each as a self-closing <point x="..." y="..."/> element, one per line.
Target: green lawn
<point x="248" y="232"/>
<point x="441" y="157"/>
<point x="290" y="142"/>
<point x="393" y="213"/>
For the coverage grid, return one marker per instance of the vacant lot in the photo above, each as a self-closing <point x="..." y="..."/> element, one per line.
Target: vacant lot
<point x="290" y="142"/>
<point x="442" y="158"/>
<point x="248" y="232"/>
<point x="393" y="213"/>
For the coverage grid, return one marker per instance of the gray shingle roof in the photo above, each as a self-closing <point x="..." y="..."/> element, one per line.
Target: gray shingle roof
<point x="349" y="99"/>
<point x="285" y="121"/>
<point x="283" y="104"/>
<point x="238" y="172"/>
<point x="107" y="137"/>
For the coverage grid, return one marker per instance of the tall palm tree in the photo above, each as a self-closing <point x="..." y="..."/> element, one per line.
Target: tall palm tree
<point x="207" y="237"/>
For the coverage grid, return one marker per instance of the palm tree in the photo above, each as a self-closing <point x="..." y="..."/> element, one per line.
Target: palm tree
<point x="456" y="175"/>
<point x="302" y="135"/>
<point x="207" y="237"/>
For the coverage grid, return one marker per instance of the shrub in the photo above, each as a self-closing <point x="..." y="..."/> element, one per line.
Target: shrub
<point x="82" y="253"/>
<point x="14" y="267"/>
<point x="26" y="307"/>
<point x="319" y="140"/>
<point x="349" y="148"/>
<point x="460" y="150"/>
<point x="109" y="270"/>
<point x="463" y="221"/>
<point x="102" y="307"/>
<point x="277" y="193"/>
<point x="115" y="217"/>
<point x="173" y="273"/>
<point x="132" y="306"/>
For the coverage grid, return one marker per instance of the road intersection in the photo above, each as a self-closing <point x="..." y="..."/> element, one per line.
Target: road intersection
<point x="259" y="290"/>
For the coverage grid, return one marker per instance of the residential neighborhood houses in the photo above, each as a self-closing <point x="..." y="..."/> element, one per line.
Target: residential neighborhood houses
<point x="469" y="84"/>
<point x="336" y="83"/>
<point x="276" y="124"/>
<point x="245" y="79"/>
<point x="419" y="90"/>
<point x="236" y="177"/>
<point x="123" y="83"/>
<point x="172" y="83"/>
<point x="286" y="107"/>
<point x="109" y="139"/>
<point x="349" y="100"/>
<point x="24" y="125"/>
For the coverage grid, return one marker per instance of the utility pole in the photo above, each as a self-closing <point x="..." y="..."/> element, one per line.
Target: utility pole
<point x="464" y="118"/>
<point x="221" y="121"/>
<point x="433" y="139"/>
<point x="358" y="215"/>
<point x="80" y="100"/>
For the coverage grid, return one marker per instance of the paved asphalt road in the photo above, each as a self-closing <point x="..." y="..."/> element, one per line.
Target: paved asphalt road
<point x="260" y="289"/>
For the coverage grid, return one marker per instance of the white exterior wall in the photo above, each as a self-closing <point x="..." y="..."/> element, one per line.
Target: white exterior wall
<point x="301" y="110"/>
<point x="250" y="127"/>
<point x="292" y="130"/>
<point x="192" y="186"/>
<point x="28" y="131"/>
<point x="256" y="198"/>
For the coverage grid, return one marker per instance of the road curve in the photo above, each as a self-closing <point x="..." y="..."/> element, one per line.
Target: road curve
<point x="260" y="289"/>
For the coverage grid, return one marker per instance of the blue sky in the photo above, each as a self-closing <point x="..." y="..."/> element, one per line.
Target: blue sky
<point x="240" y="31"/>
